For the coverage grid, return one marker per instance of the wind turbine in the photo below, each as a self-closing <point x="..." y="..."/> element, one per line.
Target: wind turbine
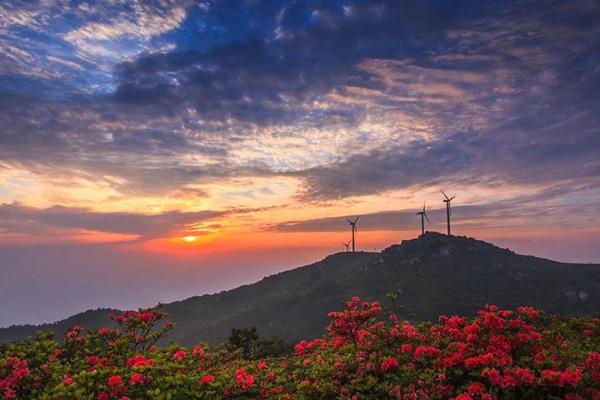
<point x="346" y="245"/>
<point x="447" y="200"/>
<point x="424" y="217"/>
<point x="353" y="225"/>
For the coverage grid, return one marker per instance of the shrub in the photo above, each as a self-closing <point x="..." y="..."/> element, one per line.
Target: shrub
<point x="499" y="354"/>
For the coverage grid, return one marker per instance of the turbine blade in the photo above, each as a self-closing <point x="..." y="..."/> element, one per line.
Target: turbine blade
<point x="444" y="194"/>
<point x="356" y="220"/>
<point x="423" y="206"/>
<point x="452" y="198"/>
<point x="427" y="218"/>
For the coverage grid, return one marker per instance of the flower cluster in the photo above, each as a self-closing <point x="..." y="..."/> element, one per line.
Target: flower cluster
<point x="499" y="354"/>
<point x="141" y="327"/>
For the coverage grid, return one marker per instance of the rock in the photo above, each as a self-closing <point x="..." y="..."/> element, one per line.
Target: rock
<point x="445" y="251"/>
<point x="571" y="296"/>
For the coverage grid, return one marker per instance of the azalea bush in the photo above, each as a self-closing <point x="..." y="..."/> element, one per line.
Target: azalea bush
<point x="365" y="354"/>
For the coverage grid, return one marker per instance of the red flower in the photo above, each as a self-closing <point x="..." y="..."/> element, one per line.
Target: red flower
<point x="390" y="363"/>
<point x="430" y="351"/>
<point x="476" y="388"/>
<point x="244" y="379"/>
<point x="463" y="396"/>
<point x="524" y="375"/>
<point x="103" y="396"/>
<point x="572" y="396"/>
<point x="115" y="380"/>
<point x="198" y="351"/>
<point x="493" y="322"/>
<point x="572" y="377"/>
<point x="136" y="378"/>
<point x="67" y="380"/>
<point x="140" y="361"/>
<point x="179" y="355"/>
<point x="482" y="360"/>
<point x="103" y="331"/>
<point x="207" y="379"/>
<point x="529" y="311"/>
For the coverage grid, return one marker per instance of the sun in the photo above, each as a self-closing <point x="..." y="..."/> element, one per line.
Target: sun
<point x="190" y="239"/>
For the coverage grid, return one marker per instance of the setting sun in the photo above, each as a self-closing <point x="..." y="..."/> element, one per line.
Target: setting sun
<point x="190" y="239"/>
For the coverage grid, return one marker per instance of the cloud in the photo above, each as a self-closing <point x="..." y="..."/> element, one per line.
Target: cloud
<point x="148" y="22"/>
<point x="20" y="219"/>
<point x="265" y="79"/>
<point x="113" y="36"/>
<point x="500" y="156"/>
<point x="515" y="213"/>
<point x="354" y="100"/>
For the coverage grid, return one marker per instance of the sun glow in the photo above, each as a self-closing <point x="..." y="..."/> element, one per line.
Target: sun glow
<point x="190" y="239"/>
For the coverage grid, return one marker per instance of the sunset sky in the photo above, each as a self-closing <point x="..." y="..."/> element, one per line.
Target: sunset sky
<point x="155" y="150"/>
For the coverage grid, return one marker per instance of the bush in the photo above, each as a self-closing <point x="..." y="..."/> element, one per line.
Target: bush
<point x="499" y="354"/>
<point x="248" y="342"/>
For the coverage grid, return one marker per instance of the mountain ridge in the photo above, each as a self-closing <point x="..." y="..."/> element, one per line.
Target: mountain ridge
<point x="431" y="275"/>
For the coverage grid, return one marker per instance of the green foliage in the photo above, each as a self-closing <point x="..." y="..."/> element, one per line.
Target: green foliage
<point x="249" y="344"/>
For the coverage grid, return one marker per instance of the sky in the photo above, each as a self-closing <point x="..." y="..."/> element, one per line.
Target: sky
<point x="155" y="150"/>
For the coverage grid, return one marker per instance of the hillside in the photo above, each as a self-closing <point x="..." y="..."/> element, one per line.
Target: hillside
<point x="432" y="275"/>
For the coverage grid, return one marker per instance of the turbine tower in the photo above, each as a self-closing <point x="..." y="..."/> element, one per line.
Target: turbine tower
<point x="424" y="217"/>
<point x="346" y="245"/>
<point x="353" y="225"/>
<point x="447" y="200"/>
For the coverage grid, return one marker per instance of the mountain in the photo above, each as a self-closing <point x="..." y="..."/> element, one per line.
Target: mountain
<point x="431" y="275"/>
